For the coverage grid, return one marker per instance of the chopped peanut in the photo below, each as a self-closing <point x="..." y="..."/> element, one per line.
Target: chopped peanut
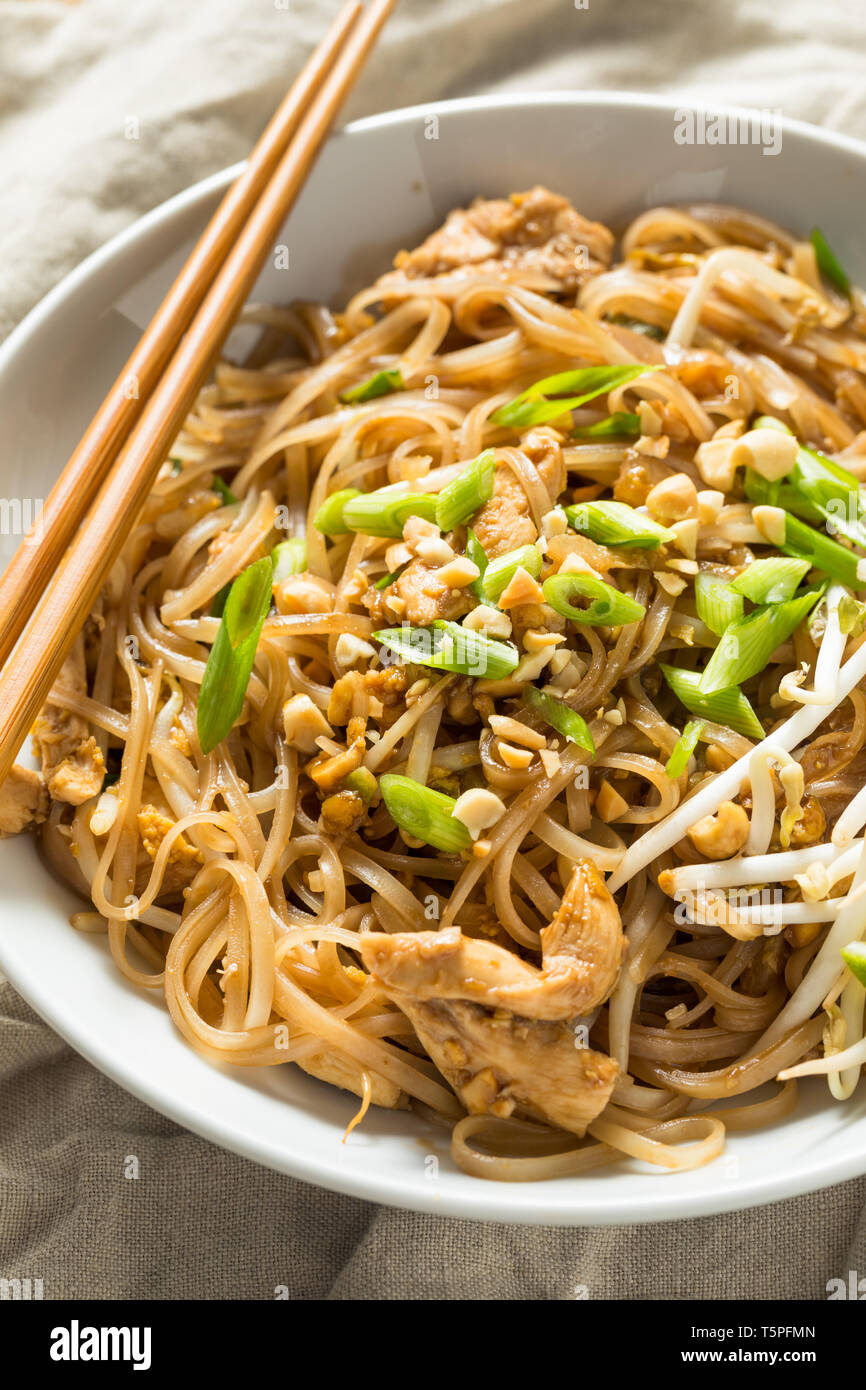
<point x="518" y="759"/>
<point x="478" y="809"/>
<point x="350" y="649"/>
<point x="522" y="589"/>
<point x="673" y="499"/>
<point x="715" y="463"/>
<point x="458" y="572"/>
<point x="721" y="835"/>
<point x="770" y="452"/>
<point x="609" y="805"/>
<point x="710" y="503"/>
<point x="512" y="729"/>
<point x="489" y="620"/>
<point x="535" y="641"/>
<point x="304" y="723"/>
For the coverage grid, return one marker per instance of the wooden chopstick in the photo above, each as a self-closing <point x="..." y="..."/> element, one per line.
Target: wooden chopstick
<point x="28" y="675"/>
<point x="33" y="564"/>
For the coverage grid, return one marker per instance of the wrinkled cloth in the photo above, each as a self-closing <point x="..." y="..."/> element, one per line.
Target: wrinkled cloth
<point x="108" y="109"/>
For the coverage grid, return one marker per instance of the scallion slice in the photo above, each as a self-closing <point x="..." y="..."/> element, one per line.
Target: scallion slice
<point x="388" y="579"/>
<point x="684" y="748"/>
<point x="447" y="646"/>
<point x="615" y="523"/>
<point x="461" y="498"/>
<point x="791" y="535"/>
<point x="560" y="716"/>
<point x="622" y="422"/>
<point x="727" y="707"/>
<point x="424" y="814"/>
<point x="817" y="489"/>
<point x="385" y="513"/>
<point x="329" y="517"/>
<point x="717" y="603"/>
<point x="648" y="330"/>
<point x="771" y="581"/>
<point x="854" y="957"/>
<point x="748" y="643"/>
<point x="230" y="663"/>
<point x="499" y="573"/>
<point x="607" y="607"/>
<point x="565" y="391"/>
<point x="478" y="555"/>
<point x="289" y="557"/>
<point x="381" y="384"/>
<point x="852" y="615"/>
<point x="222" y="488"/>
<point x="827" y="262"/>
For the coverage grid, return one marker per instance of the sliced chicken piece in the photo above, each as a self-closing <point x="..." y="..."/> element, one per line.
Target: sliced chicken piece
<point x="72" y="762"/>
<point x="533" y="231"/>
<point x="505" y="522"/>
<point x="581" y="952"/>
<point x="498" y="1063"/>
<point x="496" y="1026"/>
<point x="427" y="598"/>
<point x="352" y="693"/>
<point x="543" y="446"/>
<point x="343" y="1073"/>
<point x="23" y="801"/>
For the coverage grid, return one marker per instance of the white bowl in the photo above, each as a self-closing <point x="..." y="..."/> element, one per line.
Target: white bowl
<point x="380" y="185"/>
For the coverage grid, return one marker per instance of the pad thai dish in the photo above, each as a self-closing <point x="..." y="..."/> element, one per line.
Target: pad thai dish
<point x="476" y="718"/>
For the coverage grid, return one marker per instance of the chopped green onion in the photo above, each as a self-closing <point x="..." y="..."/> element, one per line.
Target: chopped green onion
<point x="548" y="399"/>
<point x="796" y="538"/>
<point x="230" y="663"/>
<point x="389" y="578"/>
<point x="218" y="601"/>
<point x="684" y="748"/>
<point x="176" y="466"/>
<point x="770" y="422"/>
<point x="424" y="814"/>
<point x="649" y="330"/>
<point x="560" y="716"/>
<point x="727" y="707"/>
<point x="449" y="647"/>
<point x="748" y="643"/>
<point x="817" y="489"/>
<point x="608" y="607"/>
<point x="289" y="557"/>
<point x="461" y="498"/>
<point x="854" y="956"/>
<point x="362" y="783"/>
<point x="852" y="615"/>
<point x="499" y="573"/>
<point x="329" y="517"/>
<point x="717" y="603"/>
<point x="827" y="262"/>
<point x="478" y="555"/>
<point x="771" y="581"/>
<point x="385" y="513"/>
<point x="615" y="523"/>
<point x="225" y="492"/>
<point x="382" y="384"/>
<point x="622" y="422"/>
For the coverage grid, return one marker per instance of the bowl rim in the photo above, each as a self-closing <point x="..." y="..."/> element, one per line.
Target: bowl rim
<point x="478" y="1200"/>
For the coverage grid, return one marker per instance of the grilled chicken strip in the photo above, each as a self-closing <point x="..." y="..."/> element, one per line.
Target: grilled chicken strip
<point x="495" y="1025"/>
<point x="23" y="801"/>
<point x="535" y="231"/>
<point x="72" y="762"/>
<point x="581" y="951"/>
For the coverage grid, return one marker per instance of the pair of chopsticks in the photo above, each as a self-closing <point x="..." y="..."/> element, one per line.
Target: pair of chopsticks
<point x="50" y="585"/>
